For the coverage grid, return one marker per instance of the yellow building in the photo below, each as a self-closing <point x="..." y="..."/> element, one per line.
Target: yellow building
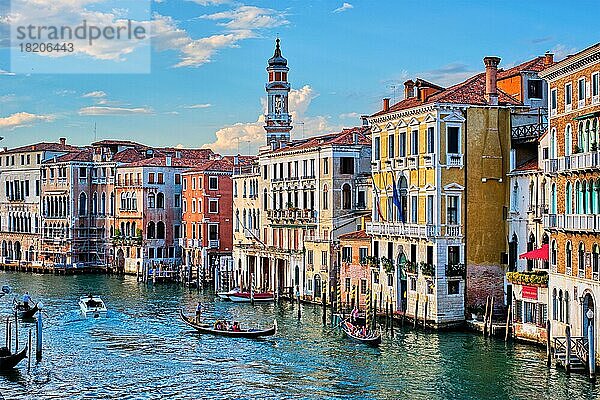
<point x="439" y="160"/>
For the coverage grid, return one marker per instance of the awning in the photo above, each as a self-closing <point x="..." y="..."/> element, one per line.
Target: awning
<point x="537" y="254"/>
<point x="586" y="116"/>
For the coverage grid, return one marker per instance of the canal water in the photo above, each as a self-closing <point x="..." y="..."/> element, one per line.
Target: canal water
<point x="142" y="351"/>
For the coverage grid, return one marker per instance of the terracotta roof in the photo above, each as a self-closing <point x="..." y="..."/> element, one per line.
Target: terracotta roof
<point x="85" y="155"/>
<point x="128" y="156"/>
<point x="116" y="142"/>
<point x="159" y="161"/>
<point x="535" y="65"/>
<point x="242" y="159"/>
<point x="42" y="146"/>
<point x="530" y="165"/>
<point x="471" y="91"/>
<point x="343" y="138"/>
<point x="222" y="165"/>
<point x="356" y="235"/>
<point x="185" y="153"/>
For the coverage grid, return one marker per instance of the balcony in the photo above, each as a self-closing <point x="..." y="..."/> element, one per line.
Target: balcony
<point x="537" y="211"/>
<point x="587" y="161"/>
<point x="528" y="133"/>
<point x="291" y="215"/>
<point x="453" y="231"/>
<point x="573" y="222"/>
<point x="400" y="229"/>
<point x="454" y="160"/>
<point x="400" y="163"/>
<point x="412" y="161"/>
<point x="213" y="244"/>
<point x="551" y="166"/>
<point x="429" y="160"/>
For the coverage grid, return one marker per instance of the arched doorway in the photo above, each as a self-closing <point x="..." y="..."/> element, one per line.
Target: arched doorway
<point x="18" y="251"/>
<point x="512" y="253"/>
<point x="120" y="261"/>
<point x="530" y="246"/>
<point x="588" y="304"/>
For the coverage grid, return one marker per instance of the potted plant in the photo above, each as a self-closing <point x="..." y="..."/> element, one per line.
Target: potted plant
<point x="388" y="264"/>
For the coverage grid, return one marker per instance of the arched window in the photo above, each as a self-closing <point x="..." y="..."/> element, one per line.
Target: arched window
<point x="568" y="141"/>
<point x="123" y="201"/>
<point x="160" y="200"/>
<point x="581" y="259"/>
<point x="151" y="200"/>
<point x="82" y="204"/>
<point x="234" y="189"/>
<point x="133" y="230"/>
<point x="151" y="230"/>
<point x="553" y="152"/>
<point x="128" y="201"/>
<point x="244" y="221"/>
<point x="584" y="197"/>
<point x="127" y="232"/>
<point x="244" y="192"/>
<point x="568" y="198"/>
<point x="568" y="258"/>
<point x="133" y="201"/>
<point x="579" y="198"/>
<point x="595" y="261"/>
<point x="325" y="198"/>
<point x="567" y="306"/>
<point x="580" y="137"/>
<point x="515" y="197"/>
<point x="554" y="253"/>
<point x="346" y="197"/>
<point x="160" y="230"/>
<point x="103" y="204"/>
<point x="193" y="205"/>
<point x="553" y="199"/>
<point x="317" y="285"/>
<point x="94" y="203"/>
<point x="561" y="306"/>
<point x="184" y="205"/>
<point x="112" y="204"/>
<point x="237" y="220"/>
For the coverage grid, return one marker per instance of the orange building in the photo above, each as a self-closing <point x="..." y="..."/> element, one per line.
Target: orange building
<point x="355" y="273"/>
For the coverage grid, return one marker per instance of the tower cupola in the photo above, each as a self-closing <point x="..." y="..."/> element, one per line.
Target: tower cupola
<point x="278" y="121"/>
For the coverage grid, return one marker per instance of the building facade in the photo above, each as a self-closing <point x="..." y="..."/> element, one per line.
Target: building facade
<point x="20" y="194"/>
<point x="571" y="163"/>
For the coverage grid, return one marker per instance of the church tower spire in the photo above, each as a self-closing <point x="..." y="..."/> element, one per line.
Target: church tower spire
<point x="278" y="121"/>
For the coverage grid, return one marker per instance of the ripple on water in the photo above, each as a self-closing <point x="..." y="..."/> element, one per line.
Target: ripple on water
<point x="142" y="351"/>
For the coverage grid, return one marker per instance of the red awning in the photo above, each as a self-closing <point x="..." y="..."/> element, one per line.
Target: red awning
<point x="537" y="254"/>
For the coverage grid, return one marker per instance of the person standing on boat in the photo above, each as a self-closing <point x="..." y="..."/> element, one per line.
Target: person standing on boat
<point x="198" y="311"/>
<point x="26" y="300"/>
<point x="354" y="314"/>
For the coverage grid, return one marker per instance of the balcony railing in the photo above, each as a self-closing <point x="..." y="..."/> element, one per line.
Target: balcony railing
<point x="292" y="215"/>
<point x="529" y="132"/>
<point x="413" y="161"/>
<point x="454" y="160"/>
<point x="251" y="233"/>
<point x="400" y="229"/>
<point x="453" y="230"/>
<point x="573" y="222"/>
<point x="213" y="244"/>
<point x="589" y="160"/>
<point x="429" y="160"/>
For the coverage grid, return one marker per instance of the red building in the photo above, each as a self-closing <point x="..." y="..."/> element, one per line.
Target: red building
<point x="207" y="210"/>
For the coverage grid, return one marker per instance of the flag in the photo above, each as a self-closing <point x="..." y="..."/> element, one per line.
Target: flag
<point x="397" y="202"/>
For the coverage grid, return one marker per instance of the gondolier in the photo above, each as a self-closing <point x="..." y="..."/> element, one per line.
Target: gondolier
<point x="26" y="301"/>
<point x="198" y="311"/>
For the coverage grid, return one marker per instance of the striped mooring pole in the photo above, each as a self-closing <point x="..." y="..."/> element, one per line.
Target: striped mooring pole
<point x="368" y="309"/>
<point x="339" y="296"/>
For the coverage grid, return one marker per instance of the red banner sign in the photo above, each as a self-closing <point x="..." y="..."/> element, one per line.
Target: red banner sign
<point x="529" y="292"/>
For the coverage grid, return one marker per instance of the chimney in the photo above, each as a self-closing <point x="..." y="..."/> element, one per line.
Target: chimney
<point x="63" y="141"/>
<point x="365" y="121"/>
<point x="178" y="154"/>
<point x="386" y="104"/>
<point x="491" y="73"/>
<point x="548" y="59"/>
<point x="409" y="89"/>
<point x="168" y="161"/>
<point x="236" y="160"/>
<point x="355" y="137"/>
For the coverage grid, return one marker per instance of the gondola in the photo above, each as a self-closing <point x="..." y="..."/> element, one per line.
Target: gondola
<point x="9" y="360"/>
<point x="372" y="339"/>
<point x="24" y="312"/>
<point x="244" y="333"/>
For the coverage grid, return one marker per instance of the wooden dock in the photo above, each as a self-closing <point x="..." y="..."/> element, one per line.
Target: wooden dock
<point x="50" y="269"/>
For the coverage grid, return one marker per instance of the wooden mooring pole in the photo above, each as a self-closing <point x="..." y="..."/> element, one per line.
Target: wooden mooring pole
<point x="323" y="298"/>
<point x="16" y="333"/>
<point x="568" y="352"/>
<point x="507" y="323"/>
<point x="38" y="337"/>
<point x="485" y="316"/>
<point x="29" y="352"/>
<point x="591" y="351"/>
<point x="491" y="330"/>
<point x="548" y="347"/>
<point x="416" y="312"/>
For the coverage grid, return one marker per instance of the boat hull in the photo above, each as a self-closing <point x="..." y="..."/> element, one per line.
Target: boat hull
<point x="25" y="314"/>
<point x="207" y="328"/>
<point x="10" y="361"/>
<point x="373" y="340"/>
<point x="247" y="297"/>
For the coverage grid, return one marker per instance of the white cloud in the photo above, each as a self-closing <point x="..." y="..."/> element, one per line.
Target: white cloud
<point x="7" y="98"/>
<point x="562" y="51"/>
<point x="344" y="7"/>
<point x="22" y="119"/>
<point x="210" y="2"/>
<point x="350" y="115"/>
<point x="248" y="136"/>
<point x="195" y="106"/>
<point x="7" y="73"/>
<point x="249" y="17"/>
<point x="447" y="75"/>
<point x="96" y="94"/>
<point x="96" y="110"/>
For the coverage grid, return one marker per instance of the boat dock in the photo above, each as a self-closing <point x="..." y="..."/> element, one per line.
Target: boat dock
<point x="53" y="269"/>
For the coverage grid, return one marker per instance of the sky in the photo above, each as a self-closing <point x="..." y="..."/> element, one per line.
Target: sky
<point x="206" y="85"/>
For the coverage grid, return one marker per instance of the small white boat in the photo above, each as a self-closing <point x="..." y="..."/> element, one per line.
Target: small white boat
<point x="225" y="295"/>
<point x="92" y="306"/>
<point x="247" y="297"/>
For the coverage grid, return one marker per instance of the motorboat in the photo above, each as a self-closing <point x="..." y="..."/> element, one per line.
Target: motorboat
<point x="248" y="297"/>
<point x="225" y="295"/>
<point x="92" y="306"/>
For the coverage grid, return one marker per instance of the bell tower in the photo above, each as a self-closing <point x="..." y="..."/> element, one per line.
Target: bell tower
<point x="278" y="121"/>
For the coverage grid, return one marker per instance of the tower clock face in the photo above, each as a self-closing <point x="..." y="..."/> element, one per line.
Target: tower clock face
<point x="278" y="105"/>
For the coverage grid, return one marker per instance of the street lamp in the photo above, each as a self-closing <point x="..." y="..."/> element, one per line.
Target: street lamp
<point x="590" y="315"/>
